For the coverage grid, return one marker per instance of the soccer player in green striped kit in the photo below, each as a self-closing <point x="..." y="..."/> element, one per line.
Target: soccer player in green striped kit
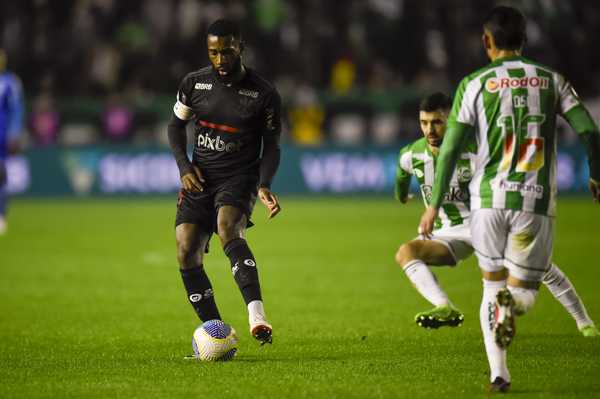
<point x="450" y="240"/>
<point x="510" y="108"/>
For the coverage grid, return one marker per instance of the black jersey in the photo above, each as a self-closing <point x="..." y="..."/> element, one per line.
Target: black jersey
<point x="230" y="120"/>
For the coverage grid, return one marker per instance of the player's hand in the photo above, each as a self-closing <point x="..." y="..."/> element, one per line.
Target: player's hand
<point x="595" y="189"/>
<point x="193" y="181"/>
<point x="270" y="200"/>
<point x="427" y="221"/>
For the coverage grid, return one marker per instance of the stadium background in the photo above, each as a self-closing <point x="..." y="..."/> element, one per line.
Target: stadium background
<point x="100" y="78"/>
<point x="91" y="303"/>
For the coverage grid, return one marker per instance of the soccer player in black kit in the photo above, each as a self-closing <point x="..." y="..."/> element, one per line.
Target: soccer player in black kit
<point x="237" y="122"/>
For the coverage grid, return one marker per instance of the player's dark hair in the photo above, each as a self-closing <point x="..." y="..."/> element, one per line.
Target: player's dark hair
<point x="434" y="102"/>
<point x="507" y="26"/>
<point x="224" y="27"/>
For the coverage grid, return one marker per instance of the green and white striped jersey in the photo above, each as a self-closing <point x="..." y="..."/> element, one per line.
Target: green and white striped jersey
<point x="512" y="103"/>
<point x="416" y="159"/>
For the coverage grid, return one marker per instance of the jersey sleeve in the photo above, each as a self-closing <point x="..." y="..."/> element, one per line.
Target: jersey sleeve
<point x="271" y="117"/>
<point x="182" y="108"/>
<point x="567" y="97"/>
<point x="463" y="106"/>
<point x="403" y="174"/>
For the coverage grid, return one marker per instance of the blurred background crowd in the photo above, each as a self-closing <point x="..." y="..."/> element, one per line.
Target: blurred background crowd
<point x="350" y="72"/>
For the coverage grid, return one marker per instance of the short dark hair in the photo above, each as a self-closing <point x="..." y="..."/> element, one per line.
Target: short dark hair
<point x="224" y="27"/>
<point x="434" y="102"/>
<point x="507" y="26"/>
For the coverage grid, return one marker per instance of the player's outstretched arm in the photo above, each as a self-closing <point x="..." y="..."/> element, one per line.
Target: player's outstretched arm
<point x="573" y="110"/>
<point x="581" y="121"/>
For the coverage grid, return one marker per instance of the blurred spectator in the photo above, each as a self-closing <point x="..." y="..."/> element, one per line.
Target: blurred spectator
<point x="117" y="120"/>
<point x="44" y="121"/>
<point x="381" y="54"/>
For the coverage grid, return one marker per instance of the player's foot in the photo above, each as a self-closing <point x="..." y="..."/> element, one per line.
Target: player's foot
<point x="3" y="225"/>
<point x="499" y="385"/>
<point x="589" y="331"/>
<point x="504" y="328"/>
<point x="440" y="316"/>
<point x="262" y="332"/>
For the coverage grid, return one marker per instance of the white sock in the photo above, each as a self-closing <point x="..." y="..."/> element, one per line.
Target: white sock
<point x="562" y="289"/>
<point x="524" y="298"/>
<point x="256" y="312"/>
<point x="425" y="282"/>
<point x="496" y="355"/>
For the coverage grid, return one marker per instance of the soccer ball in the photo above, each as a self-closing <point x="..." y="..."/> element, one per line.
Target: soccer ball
<point x="214" y="340"/>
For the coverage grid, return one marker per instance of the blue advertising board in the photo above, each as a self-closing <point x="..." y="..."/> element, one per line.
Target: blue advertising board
<point x="129" y="170"/>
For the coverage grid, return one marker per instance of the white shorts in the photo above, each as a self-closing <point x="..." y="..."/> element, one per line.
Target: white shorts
<point x="456" y="238"/>
<point x="520" y="241"/>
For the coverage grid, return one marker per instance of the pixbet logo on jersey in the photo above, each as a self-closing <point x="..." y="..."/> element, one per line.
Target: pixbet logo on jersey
<point x="217" y="144"/>
<point x="454" y="194"/>
<point x="493" y="85"/>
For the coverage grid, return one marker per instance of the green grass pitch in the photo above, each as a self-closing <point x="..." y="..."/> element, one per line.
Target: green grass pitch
<point x="91" y="305"/>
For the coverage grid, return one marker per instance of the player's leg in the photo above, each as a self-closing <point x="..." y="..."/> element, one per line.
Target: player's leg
<point x="527" y="256"/>
<point x="489" y="232"/>
<point x="3" y="197"/>
<point x="231" y="227"/>
<point x="414" y="258"/>
<point x="563" y="290"/>
<point x="191" y="244"/>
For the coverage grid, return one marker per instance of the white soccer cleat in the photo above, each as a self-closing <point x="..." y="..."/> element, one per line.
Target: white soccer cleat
<point x="260" y="328"/>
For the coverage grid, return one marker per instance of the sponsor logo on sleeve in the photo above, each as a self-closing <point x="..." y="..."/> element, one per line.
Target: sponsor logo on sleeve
<point x="203" y="86"/>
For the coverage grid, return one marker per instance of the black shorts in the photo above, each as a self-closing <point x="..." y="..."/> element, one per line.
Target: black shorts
<point x="200" y="208"/>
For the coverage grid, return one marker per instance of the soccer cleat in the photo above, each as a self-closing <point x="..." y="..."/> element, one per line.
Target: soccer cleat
<point x="440" y="316"/>
<point x="262" y="332"/>
<point x="499" y="385"/>
<point x="504" y="327"/>
<point x="589" y="331"/>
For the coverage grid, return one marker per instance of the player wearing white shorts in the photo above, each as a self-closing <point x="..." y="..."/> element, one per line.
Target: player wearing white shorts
<point x="510" y="107"/>
<point x="450" y="241"/>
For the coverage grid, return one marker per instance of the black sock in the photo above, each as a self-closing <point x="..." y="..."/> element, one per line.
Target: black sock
<point x="244" y="269"/>
<point x="200" y="293"/>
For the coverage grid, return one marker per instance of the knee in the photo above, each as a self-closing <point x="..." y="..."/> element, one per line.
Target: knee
<point x="405" y="253"/>
<point x="185" y="254"/>
<point x="524" y="298"/>
<point x="228" y="230"/>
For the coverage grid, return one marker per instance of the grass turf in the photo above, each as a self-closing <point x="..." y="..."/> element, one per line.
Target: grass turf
<point x="91" y="305"/>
